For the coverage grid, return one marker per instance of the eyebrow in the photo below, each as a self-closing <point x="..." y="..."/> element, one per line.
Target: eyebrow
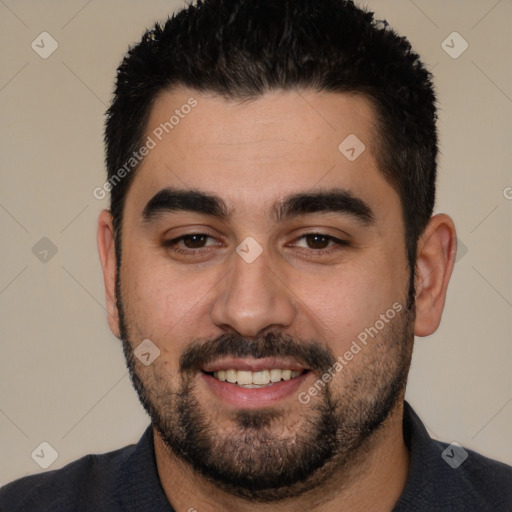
<point x="335" y="200"/>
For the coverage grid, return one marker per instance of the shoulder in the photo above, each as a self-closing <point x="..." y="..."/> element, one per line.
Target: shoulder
<point x="92" y="476"/>
<point x="449" y="477"/>
<point x="479" y="479"/>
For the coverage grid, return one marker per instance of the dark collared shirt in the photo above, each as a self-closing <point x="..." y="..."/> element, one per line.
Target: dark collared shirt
<point x="127" y="480"/>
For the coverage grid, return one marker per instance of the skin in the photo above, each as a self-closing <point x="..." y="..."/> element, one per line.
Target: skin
<point x="253" y="154"/>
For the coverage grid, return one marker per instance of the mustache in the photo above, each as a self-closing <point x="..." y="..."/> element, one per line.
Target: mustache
<point x="312" y="354"/>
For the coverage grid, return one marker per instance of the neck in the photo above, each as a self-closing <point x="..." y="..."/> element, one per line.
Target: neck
<point x="374" y="481"/>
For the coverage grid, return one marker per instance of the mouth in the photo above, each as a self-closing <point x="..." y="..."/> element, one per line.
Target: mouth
<point x="254" y="383"/>
<point x="254" y="380"/>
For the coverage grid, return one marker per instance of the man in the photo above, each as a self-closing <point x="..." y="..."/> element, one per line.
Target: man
<point x="268" y="257"/>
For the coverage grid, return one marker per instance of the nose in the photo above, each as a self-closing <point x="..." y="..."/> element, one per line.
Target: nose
<point x="252" y="299"/>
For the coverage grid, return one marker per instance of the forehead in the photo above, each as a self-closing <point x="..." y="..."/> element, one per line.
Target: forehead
<point x="264" y="148"/>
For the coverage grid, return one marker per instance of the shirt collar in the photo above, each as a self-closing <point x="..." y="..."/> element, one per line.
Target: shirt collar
<point x="425" y="466"/>
<point x="138" y="484"/>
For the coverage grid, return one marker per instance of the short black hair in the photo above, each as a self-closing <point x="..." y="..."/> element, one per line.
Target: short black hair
<point x="240" y="49"/>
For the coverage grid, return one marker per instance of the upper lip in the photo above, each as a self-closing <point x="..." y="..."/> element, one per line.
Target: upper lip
<point x="252" y="365"/>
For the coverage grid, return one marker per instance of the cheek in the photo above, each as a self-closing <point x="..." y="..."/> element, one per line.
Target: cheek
<point x="160" y="302"/>
<point x="350" y="300"/>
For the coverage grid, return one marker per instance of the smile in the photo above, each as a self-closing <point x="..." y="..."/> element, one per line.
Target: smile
<point x="256" y="379"/>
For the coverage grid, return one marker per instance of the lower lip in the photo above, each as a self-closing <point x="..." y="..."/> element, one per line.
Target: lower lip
<point x="253" y="398"/>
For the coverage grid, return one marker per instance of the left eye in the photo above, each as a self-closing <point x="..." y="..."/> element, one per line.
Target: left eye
<point x="318" y="241"/>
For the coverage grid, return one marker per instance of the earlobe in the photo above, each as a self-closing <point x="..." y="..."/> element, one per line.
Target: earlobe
<point x="436" y="253"/>
<point x="107" y="254"/>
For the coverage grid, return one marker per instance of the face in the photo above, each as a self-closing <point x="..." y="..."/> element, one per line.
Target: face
<point x="270" y="272"/>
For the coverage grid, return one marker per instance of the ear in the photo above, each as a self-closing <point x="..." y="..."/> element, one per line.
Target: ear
<point x="437" y="248"/>
<point x="107" y="253"/>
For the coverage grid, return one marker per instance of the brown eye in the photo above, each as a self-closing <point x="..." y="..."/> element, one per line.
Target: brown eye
<point x="194" y="241"/>
<point x="190" y="244"/>
<point x="317" y="241"/>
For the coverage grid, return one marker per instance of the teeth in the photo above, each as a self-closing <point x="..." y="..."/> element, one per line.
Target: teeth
<point x="255" y="379"/>
<point x="275" y="375"/>
<point x="244" y="377"/>
<point x="262" y="377"/>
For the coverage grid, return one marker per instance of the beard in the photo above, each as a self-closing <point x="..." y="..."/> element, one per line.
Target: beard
<point x="271" y="454"/>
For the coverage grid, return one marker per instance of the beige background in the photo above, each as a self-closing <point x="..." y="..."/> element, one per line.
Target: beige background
<point x="63" y="378"/>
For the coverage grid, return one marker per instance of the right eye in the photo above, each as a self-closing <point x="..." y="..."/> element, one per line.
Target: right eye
<point x="189" y="244"/>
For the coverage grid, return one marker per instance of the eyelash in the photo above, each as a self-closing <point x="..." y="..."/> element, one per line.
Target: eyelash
<point x="173" y="244"/>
